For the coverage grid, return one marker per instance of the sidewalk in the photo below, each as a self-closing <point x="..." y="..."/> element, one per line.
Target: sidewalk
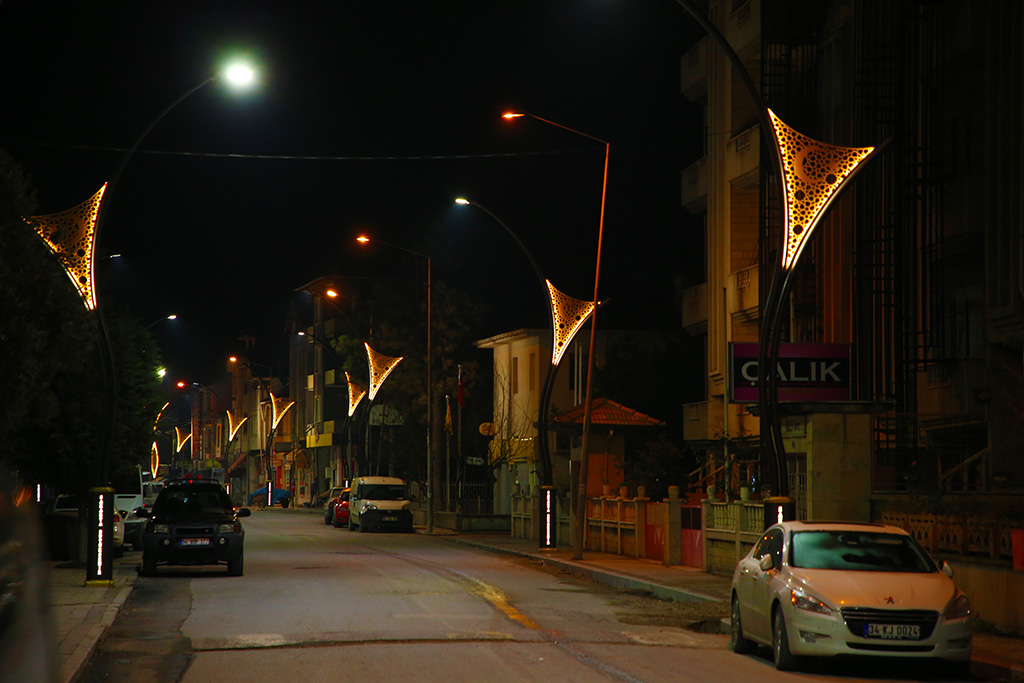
<point x="994" y="657"/>
<point x="81" y="615"/>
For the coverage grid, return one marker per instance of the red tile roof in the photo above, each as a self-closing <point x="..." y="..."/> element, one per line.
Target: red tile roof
<point x="607" y="412"/>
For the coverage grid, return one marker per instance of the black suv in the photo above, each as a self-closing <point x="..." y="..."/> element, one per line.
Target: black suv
<point x="193" y="522"/>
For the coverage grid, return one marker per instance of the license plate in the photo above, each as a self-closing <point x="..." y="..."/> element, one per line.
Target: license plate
<point x="389" y="519"/>
<point x="893" y="631"/>
<point x="194" y="541"/>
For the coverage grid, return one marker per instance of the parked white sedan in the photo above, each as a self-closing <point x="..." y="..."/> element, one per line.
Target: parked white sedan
<point x="820" y="588"/>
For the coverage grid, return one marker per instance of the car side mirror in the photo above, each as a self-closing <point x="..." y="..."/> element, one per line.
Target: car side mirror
<point x="946" y="569"/>
<point x="243" y="512"/>
<point x="767" y="562"/>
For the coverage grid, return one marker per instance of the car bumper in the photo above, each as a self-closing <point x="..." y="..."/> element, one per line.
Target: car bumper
<point x="386" y="519"/>
<point x="820" y="635"/>
<point x="171" y="550"/>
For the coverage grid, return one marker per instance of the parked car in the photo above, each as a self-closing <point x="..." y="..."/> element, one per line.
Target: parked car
<point x="193" y="523"/>
<point x="824" y="589"/>
<point x="338" y="509"/>
<point x="379" y="502"/>
<point x="328" y="503"/>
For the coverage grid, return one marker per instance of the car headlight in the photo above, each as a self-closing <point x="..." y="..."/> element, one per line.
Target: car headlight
<point x="802" y="600"/>
<point x="161" y="529"/>
<point x="960" y="608"/>
<point x="230" y="528"/>
<point x="370" y="506"/>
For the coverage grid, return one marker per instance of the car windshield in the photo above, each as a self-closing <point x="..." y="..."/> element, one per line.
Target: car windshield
<point x="191" y="502"/>
<point x="858" y="551"/>
<point x="383" y="492"/>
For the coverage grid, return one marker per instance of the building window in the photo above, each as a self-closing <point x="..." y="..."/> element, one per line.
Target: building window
<point x="515" y="375"/>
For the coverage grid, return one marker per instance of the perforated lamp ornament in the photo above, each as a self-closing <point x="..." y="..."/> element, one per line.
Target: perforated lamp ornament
<point x="568" y="316"/>
<point x="71" y="236"/>
<point x="813" y="174"/>
<point x="355" y="394"/>
<point x="380" y="367"/>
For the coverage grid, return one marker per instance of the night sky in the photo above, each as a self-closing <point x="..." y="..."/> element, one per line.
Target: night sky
<point x="370" y="115"/>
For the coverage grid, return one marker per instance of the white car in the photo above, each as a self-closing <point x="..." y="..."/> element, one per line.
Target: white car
<point x="824" y="589"/>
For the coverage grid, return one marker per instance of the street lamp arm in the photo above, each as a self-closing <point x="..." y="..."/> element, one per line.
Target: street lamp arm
<point x="557" y="125"/>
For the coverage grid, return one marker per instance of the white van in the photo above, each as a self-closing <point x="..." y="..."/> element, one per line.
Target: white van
<point x="379" y="502"/>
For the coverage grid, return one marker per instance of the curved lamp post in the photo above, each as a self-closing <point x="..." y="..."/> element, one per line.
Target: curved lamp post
<point x="581" y="496"/>
<point x="363" y="239"/>
<point x="810" y="176"/>
<point x="565" y="317"/>
<point x="76" y="250"/>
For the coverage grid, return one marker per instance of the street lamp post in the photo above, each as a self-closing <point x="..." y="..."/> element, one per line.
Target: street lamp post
<point x="363" y="239"/>
<point x="172" y="316"/>
<point x="581" y="496"/>
<point x="79" y="263"/>
<point x="557" y="305"/>
<point x="805" y="197"/>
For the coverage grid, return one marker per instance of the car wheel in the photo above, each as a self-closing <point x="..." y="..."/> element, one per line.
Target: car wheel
<point x="336" y="522"/>
<point x="351" y="526"/>
<point x="784" y="659"/>
<point x="327" y="519"/>
<point x="119" y="551"/>
<point x="737" y="642"/>
<point x="235" y="565"/>
<point x="362" y="528"/>
<point x="148" y="566"/>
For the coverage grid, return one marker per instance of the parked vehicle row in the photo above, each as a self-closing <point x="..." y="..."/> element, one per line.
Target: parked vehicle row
<point x="370" y="503"/>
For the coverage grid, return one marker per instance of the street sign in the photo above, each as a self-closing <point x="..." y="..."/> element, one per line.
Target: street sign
<point x="487" y="428"/>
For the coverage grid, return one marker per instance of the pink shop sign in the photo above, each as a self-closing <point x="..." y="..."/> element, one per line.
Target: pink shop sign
<point x="806" y="372"/>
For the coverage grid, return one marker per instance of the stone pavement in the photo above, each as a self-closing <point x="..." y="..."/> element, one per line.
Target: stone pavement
<point x="81" y="615"/>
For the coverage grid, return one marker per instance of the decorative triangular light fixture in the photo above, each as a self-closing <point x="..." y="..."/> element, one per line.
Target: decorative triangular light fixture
<point x="182" y="440"/>
<point x="568" y="315"/>
<point x="279" y="406"/>
<point x="154" y="459"/>
<point x="380" y="367"/>
<point x="812" y="175"/>
<point x="234" y="424"/>
<point x="71" y="236"/>
<point x="355" y="394"/>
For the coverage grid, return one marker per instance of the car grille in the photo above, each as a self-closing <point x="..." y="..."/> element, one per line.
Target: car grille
<point x="193" y="530"/>
<point x="857" y="618"/>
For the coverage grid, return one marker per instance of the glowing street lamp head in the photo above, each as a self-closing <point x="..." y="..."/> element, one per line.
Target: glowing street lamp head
<point x="240" y="75"/>
<point x="462" y="200"/>
<point x="363" y="239"/>
<point x="509" y="115"/>
<point x="331" y="293"/>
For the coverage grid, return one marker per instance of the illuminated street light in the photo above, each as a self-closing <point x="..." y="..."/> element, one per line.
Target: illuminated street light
<point x="363" y="239"/>
<point x="172" y="316"/>
<point x="565" y="316"/>
<point x="581" y="497"/>
<point x="84" y="224"/>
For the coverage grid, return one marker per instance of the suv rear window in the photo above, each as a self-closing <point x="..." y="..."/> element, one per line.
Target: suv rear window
<point x="185" y="500"/>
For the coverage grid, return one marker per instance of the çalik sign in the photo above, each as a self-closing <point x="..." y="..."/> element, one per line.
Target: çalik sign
<point x="806" y="372"/>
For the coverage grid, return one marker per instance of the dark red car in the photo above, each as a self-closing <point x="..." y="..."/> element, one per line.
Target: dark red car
<point x="336" y="510"/>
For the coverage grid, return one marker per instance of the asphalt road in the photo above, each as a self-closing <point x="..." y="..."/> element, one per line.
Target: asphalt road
<point x="318" y="603"/>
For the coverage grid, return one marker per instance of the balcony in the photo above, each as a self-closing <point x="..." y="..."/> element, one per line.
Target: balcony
<point x="743" y="153"/>
<point x="693" y="73"/>
<point x="695" y="421"/>
<point x="694" y="186"/>
<point x="743" y="30"/>
<point x="743" y="292"/>
<point x="695" y="309"/>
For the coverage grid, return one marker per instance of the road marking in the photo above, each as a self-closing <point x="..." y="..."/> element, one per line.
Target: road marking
<point x="497" y="598"/>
